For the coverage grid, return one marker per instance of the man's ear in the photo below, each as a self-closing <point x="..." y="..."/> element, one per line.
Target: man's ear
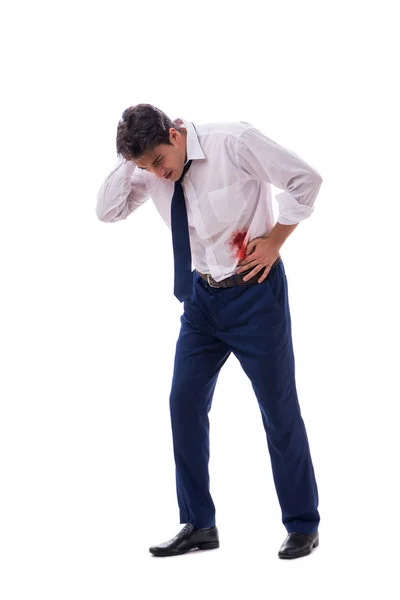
<point x="174" y="136"/>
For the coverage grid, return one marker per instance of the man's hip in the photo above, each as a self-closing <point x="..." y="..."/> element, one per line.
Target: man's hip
<point x="235" y="280"/>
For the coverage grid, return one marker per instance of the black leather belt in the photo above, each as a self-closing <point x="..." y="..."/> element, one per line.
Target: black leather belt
<point x="232" y="281"/>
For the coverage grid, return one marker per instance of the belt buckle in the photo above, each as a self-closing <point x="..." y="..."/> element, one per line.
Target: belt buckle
<point x="208" y="281"/>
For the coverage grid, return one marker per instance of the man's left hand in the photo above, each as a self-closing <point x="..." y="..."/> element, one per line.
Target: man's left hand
<point x="260" y="252"/>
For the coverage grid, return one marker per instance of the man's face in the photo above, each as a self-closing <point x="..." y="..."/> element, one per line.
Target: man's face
<point x="165" y="161"/>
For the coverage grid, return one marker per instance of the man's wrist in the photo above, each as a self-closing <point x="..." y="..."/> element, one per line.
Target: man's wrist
<point x="279" y="234"/>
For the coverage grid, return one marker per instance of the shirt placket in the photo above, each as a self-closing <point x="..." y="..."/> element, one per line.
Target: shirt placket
<point x="196" y="220"/>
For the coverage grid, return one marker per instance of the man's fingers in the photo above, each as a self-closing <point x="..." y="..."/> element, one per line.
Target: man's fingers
<point x="247" y="266"/>
<point x="253" y="272"/>
<point x="251" y="247"/>
<point x="248" y="259"/>
<point x="264" y="275"/>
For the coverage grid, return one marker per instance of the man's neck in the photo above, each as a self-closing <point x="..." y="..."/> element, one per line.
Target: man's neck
<point x="184" y="134"/>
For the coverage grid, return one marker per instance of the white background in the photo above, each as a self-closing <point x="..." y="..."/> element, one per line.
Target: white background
<point x="89" y="321"/>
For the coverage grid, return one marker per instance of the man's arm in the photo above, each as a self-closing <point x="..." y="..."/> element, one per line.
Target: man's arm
<point x="122" y="192"/>
<point x="266" y="160"/>
<point x="279" y="234"/>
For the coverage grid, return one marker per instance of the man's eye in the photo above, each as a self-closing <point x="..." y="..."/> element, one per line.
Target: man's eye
<point x="156" y="164"/>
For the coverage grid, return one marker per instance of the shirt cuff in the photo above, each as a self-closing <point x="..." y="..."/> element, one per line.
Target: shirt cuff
<point x="290" y="210"/>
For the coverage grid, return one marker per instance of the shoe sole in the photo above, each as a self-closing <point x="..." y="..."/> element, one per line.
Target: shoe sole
<point x="305" y="553"/>
<point x="203" y="546"/>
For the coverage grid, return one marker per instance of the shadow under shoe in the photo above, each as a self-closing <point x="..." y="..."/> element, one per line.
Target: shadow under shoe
<point x="187" y="539"/>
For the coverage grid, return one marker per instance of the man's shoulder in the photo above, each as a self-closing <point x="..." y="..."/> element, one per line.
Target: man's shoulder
<point x="227" y="129"/>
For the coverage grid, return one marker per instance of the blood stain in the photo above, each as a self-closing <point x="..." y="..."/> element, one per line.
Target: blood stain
<point x="237" y="243"/>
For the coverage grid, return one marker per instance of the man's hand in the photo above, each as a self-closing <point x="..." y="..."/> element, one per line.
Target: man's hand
<point x="263" y="251"/>
<point x="260" y="252"/>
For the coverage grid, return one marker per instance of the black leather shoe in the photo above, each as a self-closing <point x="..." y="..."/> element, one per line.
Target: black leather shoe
<point x="188" y="538"/>
<point x="298" y="544"/>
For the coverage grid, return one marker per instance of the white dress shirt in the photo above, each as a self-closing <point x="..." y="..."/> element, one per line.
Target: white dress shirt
<point x="227" y="191"/>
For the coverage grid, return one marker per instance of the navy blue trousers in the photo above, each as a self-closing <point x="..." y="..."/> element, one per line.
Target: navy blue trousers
<point x="253" y="322"/>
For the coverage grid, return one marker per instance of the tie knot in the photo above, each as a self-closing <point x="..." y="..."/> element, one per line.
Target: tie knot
<point x="185" y="169"/>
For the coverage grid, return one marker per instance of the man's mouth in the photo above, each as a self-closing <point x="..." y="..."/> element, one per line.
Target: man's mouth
<point x="169" y="175"/>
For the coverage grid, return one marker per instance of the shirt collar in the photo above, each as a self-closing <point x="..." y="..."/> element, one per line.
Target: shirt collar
<point x="193" y="149"/>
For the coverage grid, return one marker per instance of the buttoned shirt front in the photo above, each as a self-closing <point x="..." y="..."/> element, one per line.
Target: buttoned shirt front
<point x="227" y="191"/>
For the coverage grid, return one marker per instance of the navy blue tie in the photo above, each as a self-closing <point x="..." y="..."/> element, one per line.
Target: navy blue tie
<point x="180" y="241"/>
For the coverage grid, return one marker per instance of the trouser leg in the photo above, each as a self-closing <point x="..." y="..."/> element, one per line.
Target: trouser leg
<point x="262" y="342"/>
<point x="198" y="360"/>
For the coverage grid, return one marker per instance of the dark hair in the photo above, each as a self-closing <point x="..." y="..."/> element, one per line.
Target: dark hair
<point x="142" y="128"/>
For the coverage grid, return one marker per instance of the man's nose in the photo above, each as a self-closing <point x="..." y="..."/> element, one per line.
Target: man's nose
<point x="160" y="172"/>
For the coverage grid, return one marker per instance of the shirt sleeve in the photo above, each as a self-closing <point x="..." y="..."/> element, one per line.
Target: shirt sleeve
<point x="122" y="192"/>
<point x="266" y="160"/>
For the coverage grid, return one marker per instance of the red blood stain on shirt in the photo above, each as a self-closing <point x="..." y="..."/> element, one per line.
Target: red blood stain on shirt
<point x="237" y="243"/>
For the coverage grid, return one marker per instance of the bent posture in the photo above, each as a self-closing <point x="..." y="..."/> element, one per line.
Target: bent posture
<point x="212" y="186"/>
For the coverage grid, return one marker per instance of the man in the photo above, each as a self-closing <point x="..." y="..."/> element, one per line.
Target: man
<point x="212" y="185"/>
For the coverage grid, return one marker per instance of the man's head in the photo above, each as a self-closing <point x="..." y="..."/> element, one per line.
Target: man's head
<point x="147" y="137"/>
